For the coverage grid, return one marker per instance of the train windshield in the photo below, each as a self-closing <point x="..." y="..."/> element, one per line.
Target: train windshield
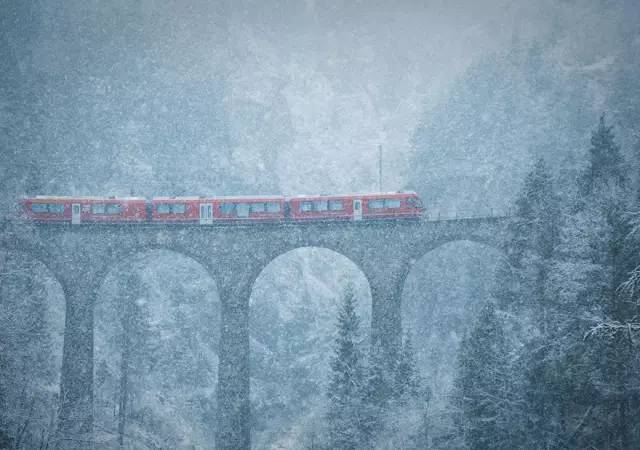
<point x="414" y="202"/>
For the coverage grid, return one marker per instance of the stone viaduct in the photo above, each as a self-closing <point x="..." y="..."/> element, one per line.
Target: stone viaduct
<point x="80" y="257"/>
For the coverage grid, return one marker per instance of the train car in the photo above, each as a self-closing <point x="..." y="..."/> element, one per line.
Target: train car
<point x="181" y="210"/>
<point x="393" y="205"/>
<point x="269" y="208"/>
<point x="305" y="208"/>
<point x="78" y="210"/>
<point x="210" y="210"/>
<point x="238" y="209"/>
<point x="355" y="207"/>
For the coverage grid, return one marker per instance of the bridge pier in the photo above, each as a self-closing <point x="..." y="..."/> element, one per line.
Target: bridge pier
<point x="386" y="277"/>
<point x="233" y="431"/>
<point x="75" y="420"/>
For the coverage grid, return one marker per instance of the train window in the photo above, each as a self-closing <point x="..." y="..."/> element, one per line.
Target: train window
<point x="335" y="205"/>
<point x="97" y="208"/>
<point x="113" y="209"/>
<point x="320" y="205"/>
<point x="392" y="203"/>
<point x="306" y="206"/>
<point x="257" y="207"/>
<point x="163" y="208"/>
<point x="242" y="209"/>
<point x="39" y="208"/>
<point x="273" y="207"/>
<point x="375" y="204"/>
<point x="227" y="208"/>
<point x="178" y="208"/>
<point x="56" y="208"/>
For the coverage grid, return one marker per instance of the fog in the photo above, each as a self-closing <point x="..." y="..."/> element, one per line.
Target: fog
<point x="518" y="115"/>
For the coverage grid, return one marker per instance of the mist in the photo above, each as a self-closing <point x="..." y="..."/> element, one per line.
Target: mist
<point x="516" y="124"/>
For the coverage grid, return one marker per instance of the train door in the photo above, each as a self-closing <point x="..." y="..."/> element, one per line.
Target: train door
<point x="357" y="209"/>
<point x="206" y="214"/>
<point x="75" y="213"/>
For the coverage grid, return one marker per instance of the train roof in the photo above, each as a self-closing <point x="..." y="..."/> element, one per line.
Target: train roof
<point x="357" y="194"/>
<point x="214" y="197"/>
<point x="222" y="197"/>
<point x="64" y="197"/>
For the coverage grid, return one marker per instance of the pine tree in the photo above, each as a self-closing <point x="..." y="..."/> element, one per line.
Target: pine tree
<point x="376" y="394"/>
<point x="482" y="386"/>
<point x="346" y="386"/>
<point x="593" y="364"/>
<point x="612" y="349"/>
<point x="533" y="237"/>
<point x="605" y="168"/>
<point x="406" y="406"/>
<point x="522" y="281"/>
<point x="407" y="383"/>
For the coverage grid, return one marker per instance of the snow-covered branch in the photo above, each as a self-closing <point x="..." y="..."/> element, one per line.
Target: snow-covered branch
<point x="632" y="285"/>
<point x="608" y="329"/>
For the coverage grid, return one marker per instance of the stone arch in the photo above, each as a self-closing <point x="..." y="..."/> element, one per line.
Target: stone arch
<point x="286" y="299"/>
<point x="283" y="252"/>
<point x="187" y="252"/>
<point x="489" y="237"/>
<point x="435" y="289"/>
<point x="423" y="248"/>
<point x="187" y="309"/>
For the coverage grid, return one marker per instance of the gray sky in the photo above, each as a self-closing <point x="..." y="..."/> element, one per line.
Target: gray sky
<point x="358" y="74"/>
<point x="312" y="88"/>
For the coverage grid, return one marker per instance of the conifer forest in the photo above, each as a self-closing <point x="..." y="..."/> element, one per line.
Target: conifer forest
<point x="423" y="227"/>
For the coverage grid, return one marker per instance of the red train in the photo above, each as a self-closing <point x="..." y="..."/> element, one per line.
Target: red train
<point x="219" y="210"/>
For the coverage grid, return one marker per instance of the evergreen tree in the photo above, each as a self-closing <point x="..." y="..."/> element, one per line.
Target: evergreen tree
<point x="533" y="237"/>
<point x="346" y="384"/>
<point x="482" y="386"/>
<point x="605" y="168"/>
<point x="531" y="248"/>
<point x="407" y="383"/>
<point x="407" y="405"/>
<point x="592" y="362"/>
<point x="376" y="395"/>
<point x="611" y="350"/>
<point x="133" y="341"/>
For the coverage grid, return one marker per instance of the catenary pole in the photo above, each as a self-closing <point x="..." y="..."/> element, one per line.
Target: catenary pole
<point x="380" y="167"/>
